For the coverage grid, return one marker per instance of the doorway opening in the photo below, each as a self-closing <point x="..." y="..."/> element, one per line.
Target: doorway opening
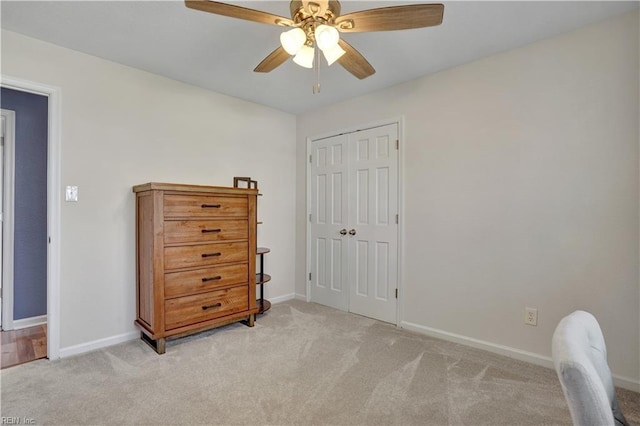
<point x="7" y="138"/>
<point x="23" y="253"/>
<point x="52" y="211"/>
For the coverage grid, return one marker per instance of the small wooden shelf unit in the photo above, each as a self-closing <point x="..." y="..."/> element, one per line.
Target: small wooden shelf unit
<point x="261" y="279"/>
<point x="195" y="259"/>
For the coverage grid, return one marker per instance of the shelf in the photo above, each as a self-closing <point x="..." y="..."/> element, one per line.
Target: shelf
<point x="264" y="306"/>
<point x="265" y="278"/>
<point x="262" y="278"/>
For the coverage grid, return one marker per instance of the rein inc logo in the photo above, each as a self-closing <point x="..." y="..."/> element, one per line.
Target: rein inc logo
<point x="17" y="421"/>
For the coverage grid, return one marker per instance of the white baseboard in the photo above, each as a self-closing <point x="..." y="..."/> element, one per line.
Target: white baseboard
<point x="626" y="383"/>
<point x="98" y="344"/>
<point x="114" y="340"/>
<point x="281" y="299"/>
<point x="533" y="358"/>
<point x="29" y="322"/>
<point x="302" y="297"/>
<point x="480" y="344"/>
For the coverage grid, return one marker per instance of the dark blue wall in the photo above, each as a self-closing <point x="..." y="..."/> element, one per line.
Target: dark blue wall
<point x="30" y="238"/>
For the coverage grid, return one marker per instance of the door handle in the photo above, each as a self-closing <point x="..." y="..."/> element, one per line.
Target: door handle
<point x="343" y="232"/>
<point x="352" y="232"/>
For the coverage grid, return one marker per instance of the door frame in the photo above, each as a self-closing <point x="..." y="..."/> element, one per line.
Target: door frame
<point x="8" y="191"/>
<point x="53" y="95"/>
<point x="400" y="122"/>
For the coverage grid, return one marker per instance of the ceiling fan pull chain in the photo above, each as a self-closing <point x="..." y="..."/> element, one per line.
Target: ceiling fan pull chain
<point x="316" y="68"/>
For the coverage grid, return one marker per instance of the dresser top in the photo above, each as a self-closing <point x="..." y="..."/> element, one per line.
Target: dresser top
<point x="193" y="188"/>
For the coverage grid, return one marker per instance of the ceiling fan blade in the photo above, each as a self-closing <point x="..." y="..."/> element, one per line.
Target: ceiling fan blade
<point x="354" y="62"/>
<point x="273" y="61"/>
<point x="238" y="12"/>
<point x="391" y="18"/>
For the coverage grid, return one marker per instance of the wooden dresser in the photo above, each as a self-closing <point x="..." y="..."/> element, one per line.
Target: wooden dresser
<point x="195" y="259"/>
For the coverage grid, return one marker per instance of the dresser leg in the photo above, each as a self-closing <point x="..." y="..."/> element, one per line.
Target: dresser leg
<point x="250" y="322"/>
<point x="157" y="345"/>
<point x="160" y="343"/>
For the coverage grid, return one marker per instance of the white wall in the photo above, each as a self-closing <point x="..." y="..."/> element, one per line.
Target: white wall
<point x="520" y="189"/>
<point x="122" y="127"/>
<point x="520" y="183"/>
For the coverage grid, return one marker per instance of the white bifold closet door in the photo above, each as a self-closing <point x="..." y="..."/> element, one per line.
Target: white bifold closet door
<point x="354" y="230"/>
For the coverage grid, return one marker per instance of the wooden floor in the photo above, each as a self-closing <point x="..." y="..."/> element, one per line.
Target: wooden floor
<point x="24" y="345"/>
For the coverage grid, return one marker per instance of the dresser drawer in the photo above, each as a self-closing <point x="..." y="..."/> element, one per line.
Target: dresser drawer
<point x="202" y="307"/>
<point x="205" y="255"/>
<point x="178" y="283"/>
<point x="203" y="231"/>
<point x="204" y="206"/>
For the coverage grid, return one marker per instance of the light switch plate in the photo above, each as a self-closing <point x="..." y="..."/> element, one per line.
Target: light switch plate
<point x="71" y="194"/>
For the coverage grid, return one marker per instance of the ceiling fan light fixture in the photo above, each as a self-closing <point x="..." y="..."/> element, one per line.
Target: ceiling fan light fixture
<point x="326" y="37"/>
<point x="304" y="57"/>
<point x="317" y="22"/>
<point x="293" y="40"/>
<point x="333" y="54"/>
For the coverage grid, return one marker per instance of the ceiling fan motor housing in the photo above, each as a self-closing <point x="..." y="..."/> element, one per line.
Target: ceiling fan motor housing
<point x="325" y="11"/>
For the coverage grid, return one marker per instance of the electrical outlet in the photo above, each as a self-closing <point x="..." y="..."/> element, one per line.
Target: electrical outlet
<point x="531" y="316"/>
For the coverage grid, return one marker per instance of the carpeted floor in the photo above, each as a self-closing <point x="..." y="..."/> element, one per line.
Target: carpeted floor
<point x="302" y="364"/>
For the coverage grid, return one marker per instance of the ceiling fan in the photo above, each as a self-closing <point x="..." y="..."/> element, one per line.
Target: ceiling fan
<point x="318" y="23"/>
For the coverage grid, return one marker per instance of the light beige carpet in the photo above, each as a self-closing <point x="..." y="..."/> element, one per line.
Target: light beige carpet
<point x="301" y="364"/>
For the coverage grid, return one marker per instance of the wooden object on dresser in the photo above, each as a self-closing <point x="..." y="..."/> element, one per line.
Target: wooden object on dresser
<point x="195" y="259"/>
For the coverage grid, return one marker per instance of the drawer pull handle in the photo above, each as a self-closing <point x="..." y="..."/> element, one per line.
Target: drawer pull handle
<point x="204" y="280"/>
<point x="215" y="305"/>
<point x="211" y="254"/>
<point x="204" y="231"/>
<point x="210" y="206"/>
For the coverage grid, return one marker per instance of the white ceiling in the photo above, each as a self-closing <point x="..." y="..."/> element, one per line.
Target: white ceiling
<point x="220" y="53"/>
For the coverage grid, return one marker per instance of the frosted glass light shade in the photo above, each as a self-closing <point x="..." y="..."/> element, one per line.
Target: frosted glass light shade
<point x="326" y="37"/>
<point x="304" y="57"/>
<point x="333" y="54"/>
<point x="293" y="40"/>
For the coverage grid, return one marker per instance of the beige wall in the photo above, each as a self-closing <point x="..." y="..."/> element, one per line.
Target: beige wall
<point x="520" y="190"/>
<point x="122" y="127"/>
